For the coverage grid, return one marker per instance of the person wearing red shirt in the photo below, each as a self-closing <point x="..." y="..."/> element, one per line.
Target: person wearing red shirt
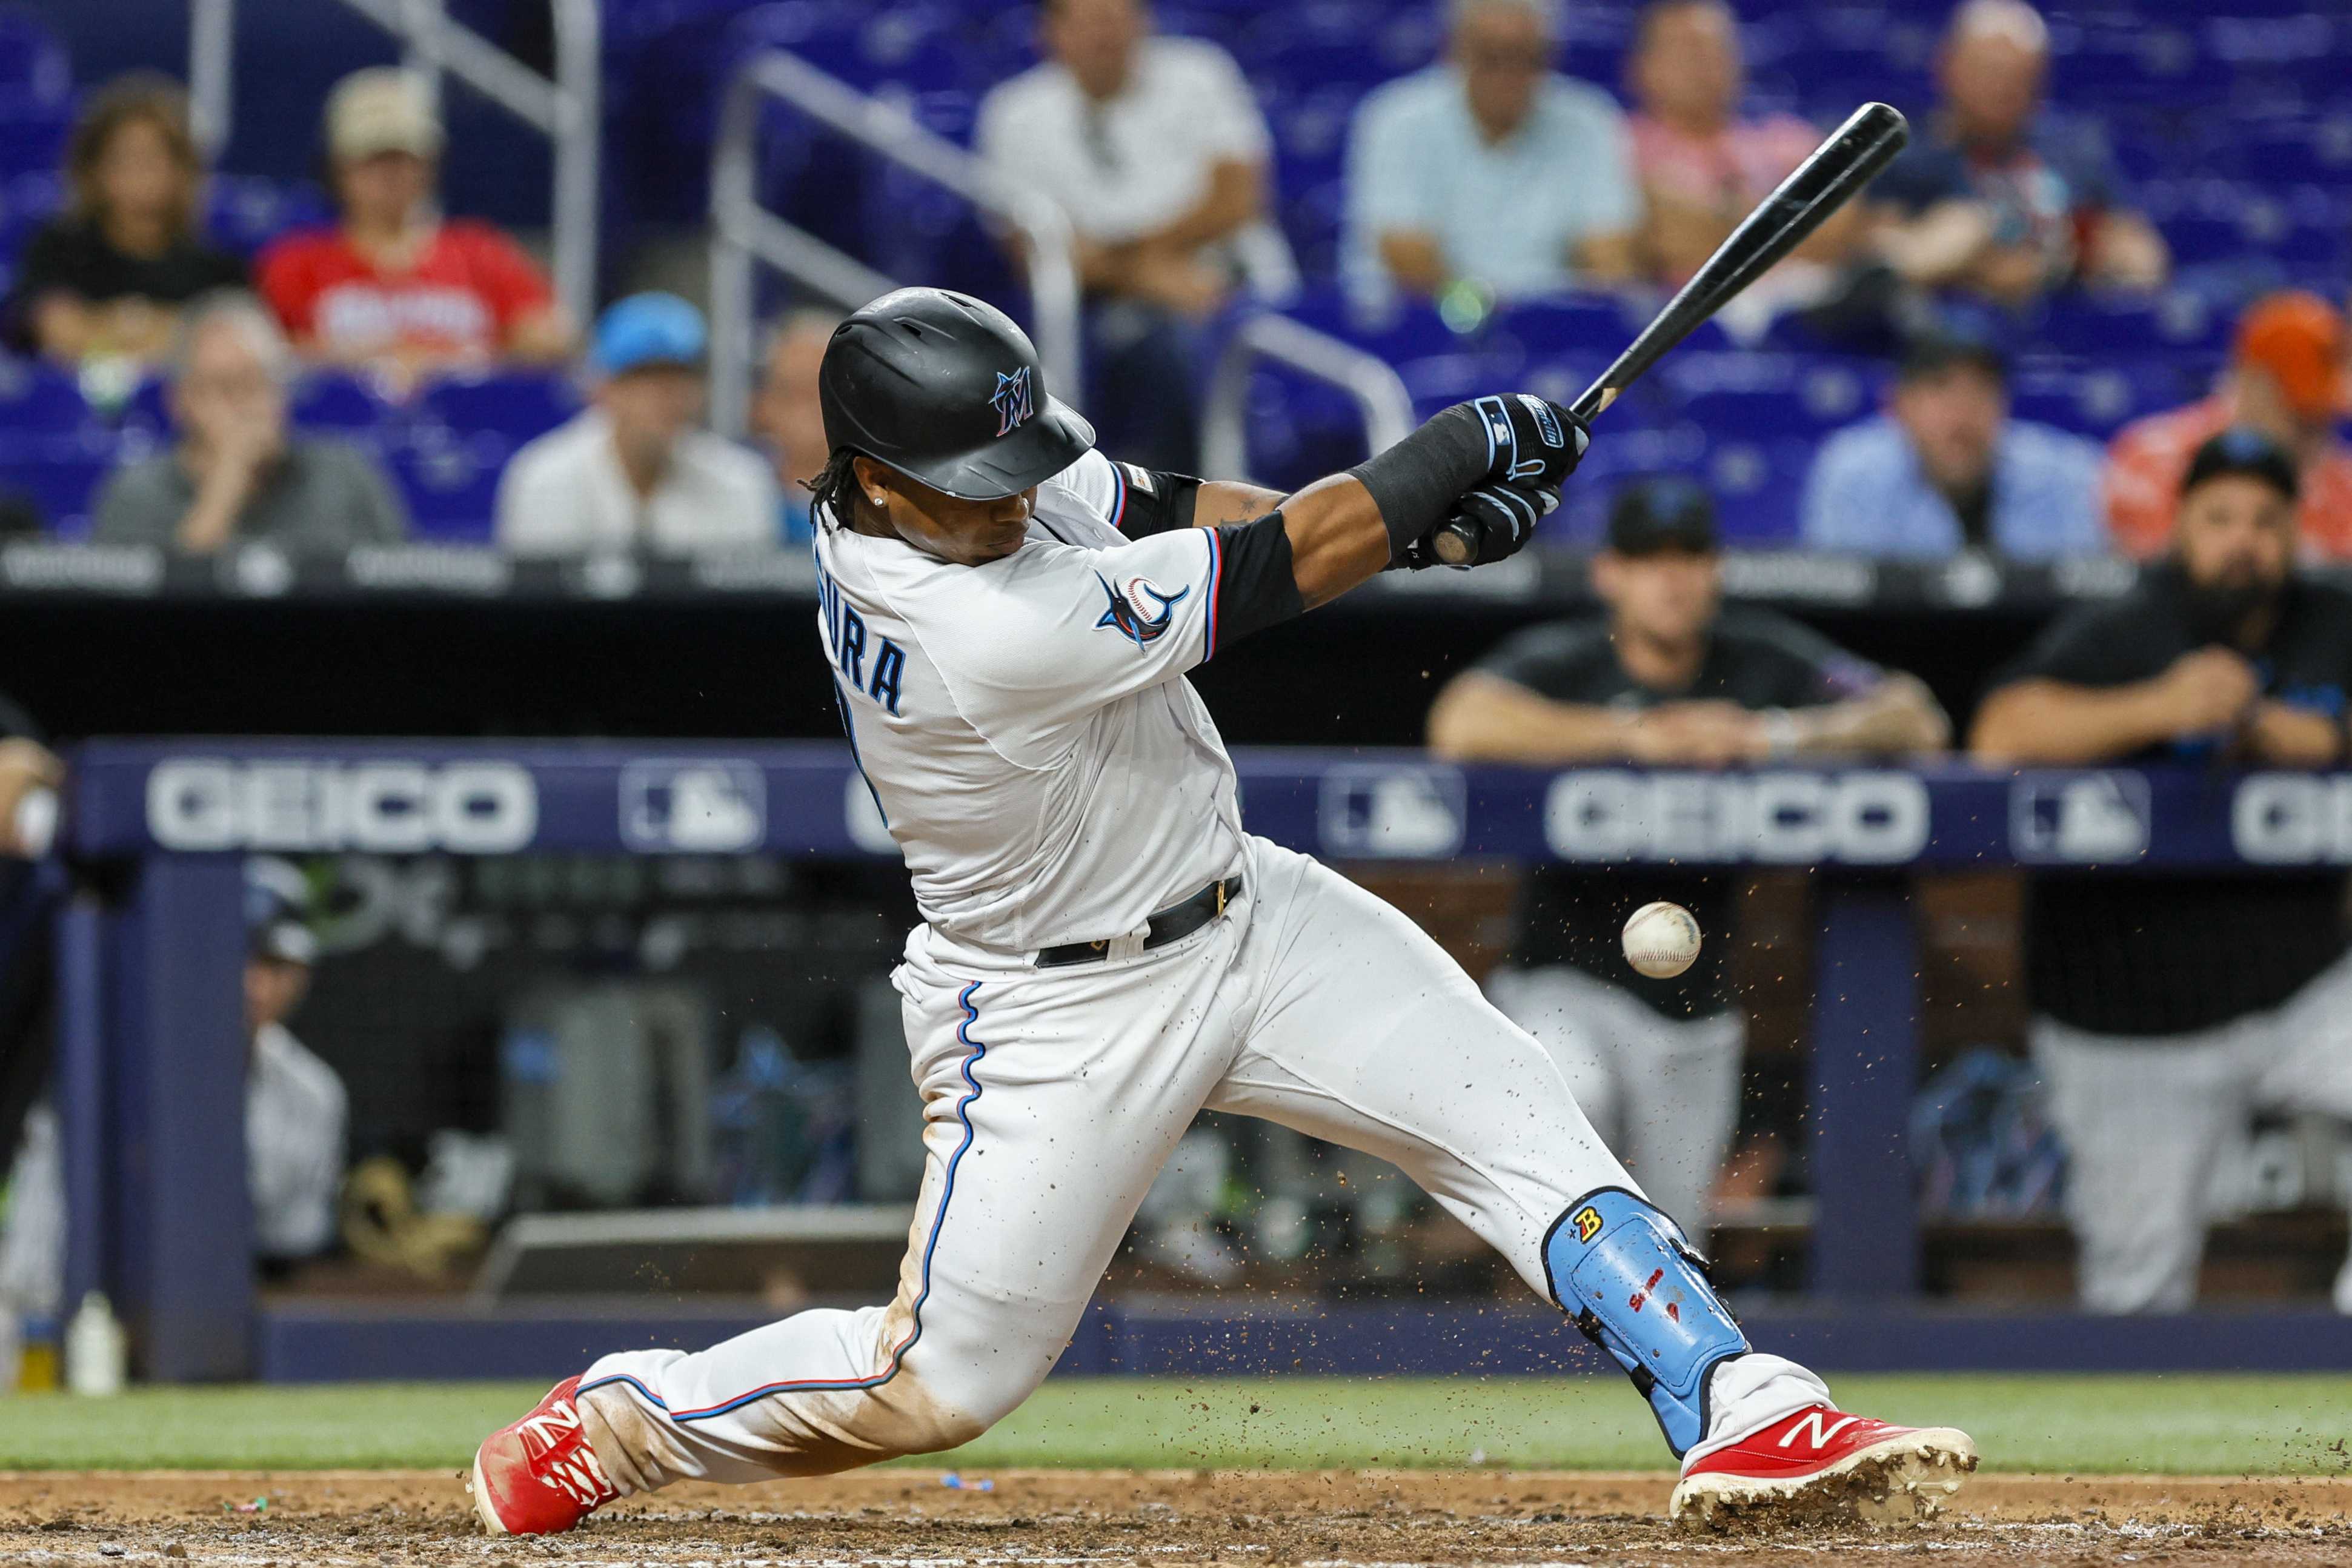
<point x="396" y="288"/>
<point x="2286" y="381"/>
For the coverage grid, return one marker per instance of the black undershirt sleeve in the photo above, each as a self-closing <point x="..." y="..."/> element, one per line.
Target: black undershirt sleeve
<point x="1255" y="586"/>
<point x="1154" y="502"/>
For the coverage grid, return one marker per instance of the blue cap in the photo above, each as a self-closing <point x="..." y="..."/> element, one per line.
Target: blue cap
<point x="648" y="329"/>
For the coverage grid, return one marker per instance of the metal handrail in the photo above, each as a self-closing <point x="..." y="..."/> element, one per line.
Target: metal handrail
<point x="1380" y="392"/>
<point x="568" y="109"/>
<point x="743" y="231"/>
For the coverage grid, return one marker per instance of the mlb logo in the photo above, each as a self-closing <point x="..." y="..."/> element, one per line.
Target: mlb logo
<point x="1393" y="813"/>
<point x="2079" y="819"/>
<point x="694" y="807"/>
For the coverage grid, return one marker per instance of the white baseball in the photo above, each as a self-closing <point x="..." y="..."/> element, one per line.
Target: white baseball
<point x="1661" y="940"/>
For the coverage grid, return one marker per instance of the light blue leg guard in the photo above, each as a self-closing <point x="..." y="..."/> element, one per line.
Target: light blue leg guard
<point x="1621" y="1268"/>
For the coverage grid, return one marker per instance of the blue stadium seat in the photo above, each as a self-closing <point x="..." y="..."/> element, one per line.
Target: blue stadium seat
<point x="329" y="399"/>
<point x="35" y="71"/>
<point x="518" y="407"/>
<point x="246" y="212"/>
<point x="36" y="396"/>
<point x="59" y="469"/>
<point x="1564" y="323"/>
<point x="450" y="480"/>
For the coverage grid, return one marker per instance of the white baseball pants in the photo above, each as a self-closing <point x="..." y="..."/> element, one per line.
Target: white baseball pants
<point x="2146" y="1118"/>
<point x="1664" y="1091"/>
<point x="1052" y="1098"/>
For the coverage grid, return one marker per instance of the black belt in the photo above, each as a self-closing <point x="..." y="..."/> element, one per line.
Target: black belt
<point x="1170" y="924"/>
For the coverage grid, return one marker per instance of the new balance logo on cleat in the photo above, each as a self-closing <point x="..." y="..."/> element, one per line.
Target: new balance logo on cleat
<point x="539" y="1476"/>
<point x="1813" y="1418"/>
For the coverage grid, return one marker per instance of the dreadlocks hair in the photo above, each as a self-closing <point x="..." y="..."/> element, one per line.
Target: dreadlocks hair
<point x="834" y="491"/>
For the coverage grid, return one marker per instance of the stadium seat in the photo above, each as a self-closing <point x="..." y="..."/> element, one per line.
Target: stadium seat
<point x="60" y="471"/>
<point x="328" y="399"/>
<point x="36" y="396"/>
<point x="450" y="480"/>
<point x="517" y="407"/>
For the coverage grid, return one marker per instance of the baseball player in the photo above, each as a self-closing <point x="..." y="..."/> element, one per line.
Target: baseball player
<point x="1104" y="952"/>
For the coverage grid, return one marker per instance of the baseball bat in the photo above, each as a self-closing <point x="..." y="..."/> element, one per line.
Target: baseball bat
<point x="1850" y="159"/>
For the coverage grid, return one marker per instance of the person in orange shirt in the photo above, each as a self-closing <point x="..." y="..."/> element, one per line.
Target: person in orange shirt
<point x="2286" y="379"/>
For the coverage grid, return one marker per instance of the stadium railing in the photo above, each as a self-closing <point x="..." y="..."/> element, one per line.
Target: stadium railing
<point x="152" y="1055"/>
<point x="567" y="108"/>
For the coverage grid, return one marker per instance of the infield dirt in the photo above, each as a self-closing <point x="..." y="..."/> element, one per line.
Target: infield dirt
<point x="1234" y="1519"/>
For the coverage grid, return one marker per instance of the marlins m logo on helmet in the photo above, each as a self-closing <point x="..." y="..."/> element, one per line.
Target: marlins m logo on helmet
<point x="1011" y="400"/>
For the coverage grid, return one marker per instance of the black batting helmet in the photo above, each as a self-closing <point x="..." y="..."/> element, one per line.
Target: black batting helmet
<point x="945" y="388"/>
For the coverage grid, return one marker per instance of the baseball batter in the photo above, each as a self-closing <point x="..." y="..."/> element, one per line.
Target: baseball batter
<point x="1104" y="952"/>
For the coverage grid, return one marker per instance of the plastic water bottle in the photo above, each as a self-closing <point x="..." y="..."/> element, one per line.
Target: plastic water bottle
<point x="94" y="1348"/>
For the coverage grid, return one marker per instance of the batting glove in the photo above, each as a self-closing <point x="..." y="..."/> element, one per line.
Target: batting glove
<point x="1531" y="441"/>
<point x="1500" y="516"/>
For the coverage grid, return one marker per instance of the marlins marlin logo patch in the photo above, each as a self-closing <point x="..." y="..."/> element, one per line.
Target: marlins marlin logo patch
<point x="1011" y="400"/>
<point x="1142" y="614"/>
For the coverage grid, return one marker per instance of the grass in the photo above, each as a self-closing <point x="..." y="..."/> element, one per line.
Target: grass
<point x="2187" y="1423"/>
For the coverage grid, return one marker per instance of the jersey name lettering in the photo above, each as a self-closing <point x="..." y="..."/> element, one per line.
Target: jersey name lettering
<point x="844" y="641"/>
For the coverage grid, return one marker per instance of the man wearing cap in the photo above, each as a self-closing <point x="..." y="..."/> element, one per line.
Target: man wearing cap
<point x="633" y="470"/>
<point x="1668" y="678"/>
<point x="296" y="1107"/>
<point x="2168" y="1009"/>
<point x="2286" y="379"/>
<point x="1946" y="468"/>
<point x="394" y="288"/>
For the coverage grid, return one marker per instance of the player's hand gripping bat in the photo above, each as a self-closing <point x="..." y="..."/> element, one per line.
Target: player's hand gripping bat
<point x="1850" y="157"/>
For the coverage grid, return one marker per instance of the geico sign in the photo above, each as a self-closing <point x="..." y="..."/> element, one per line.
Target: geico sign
<point x="2293" y="819"/>
<point x="392" y="807"/>
<point x="1863" y="818"/>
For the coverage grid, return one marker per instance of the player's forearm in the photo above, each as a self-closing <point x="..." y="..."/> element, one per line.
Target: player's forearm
<point x="2052" y="721"/>
<point x="1900" y="717"/>
<point x="1484" y="718"/>
<point x="1337" y="537"/>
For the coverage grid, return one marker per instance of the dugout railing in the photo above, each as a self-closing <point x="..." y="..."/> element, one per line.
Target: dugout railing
<point x="152" y="1056"/>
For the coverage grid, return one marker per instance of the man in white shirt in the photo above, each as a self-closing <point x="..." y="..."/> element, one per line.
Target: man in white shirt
<point x="295" y="1108"/>
<point x="634" y="471"/>
<point x="1490" y="170"/>
<point x="1155" y="148"/>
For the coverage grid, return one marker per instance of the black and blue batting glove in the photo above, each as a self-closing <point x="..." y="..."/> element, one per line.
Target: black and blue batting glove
<point x="1501" y="516"/>
<point x="1531" y="440"/>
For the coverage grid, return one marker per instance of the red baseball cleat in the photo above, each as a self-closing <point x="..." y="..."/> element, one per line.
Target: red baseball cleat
<point x="1822" y="1465"/>
<point x="540" y="1476"/>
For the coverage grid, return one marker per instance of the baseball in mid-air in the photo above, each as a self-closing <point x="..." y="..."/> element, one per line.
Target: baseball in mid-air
<point x="1661" y="940"/>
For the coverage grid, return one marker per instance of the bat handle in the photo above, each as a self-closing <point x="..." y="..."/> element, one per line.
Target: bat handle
<point x="1454" y="542"/>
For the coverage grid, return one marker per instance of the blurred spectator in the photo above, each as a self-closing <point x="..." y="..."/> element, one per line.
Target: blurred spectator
<point x="296" y="1107"/>
<point x="2286" y="380"/>
<point x="633" y="471"/>
<point x="1999" y="197"/>
<point x="237" y="472"/>
<point x="1155" y="148"/>
<point x="106" y="276"/>
<point x="1490" y="168"/>
<point x="2169" y="1008"/>
<point x="1703" y="168"/>
<point x="787" y="416"/>
<point x="1669" y="678"/>
<point x="1946" y="469"/>
<point x="396" y="288"/>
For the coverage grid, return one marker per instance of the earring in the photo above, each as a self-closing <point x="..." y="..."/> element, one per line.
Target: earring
<point x="878" y="498"/>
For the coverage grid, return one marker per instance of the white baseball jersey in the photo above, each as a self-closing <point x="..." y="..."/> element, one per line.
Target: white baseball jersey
<point x="1026" y="724"/>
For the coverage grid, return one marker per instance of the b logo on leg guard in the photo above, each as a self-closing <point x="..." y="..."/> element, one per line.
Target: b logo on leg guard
<point x="1636" y="1288"/>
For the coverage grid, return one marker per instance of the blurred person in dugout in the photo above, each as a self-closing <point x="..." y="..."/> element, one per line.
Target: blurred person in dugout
<point x="237" y="472"/>
<point x="636" y="469"/>
<point x="2168" y="1009"/>
<point x="296" y="1111"/>
<point x="1489" y="174"/>
<point x="394" y="289"/>
<point x="1703" y="167"/>
<point x="1155" y="148"/>
<point x="1669" y="676"/>
<point x="1946" y="468"/>
<point x="787" y="416"/>
<point x="100" y="285"/>
<point x="1999" y="197"/>
<point x="2286" y="379"/>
